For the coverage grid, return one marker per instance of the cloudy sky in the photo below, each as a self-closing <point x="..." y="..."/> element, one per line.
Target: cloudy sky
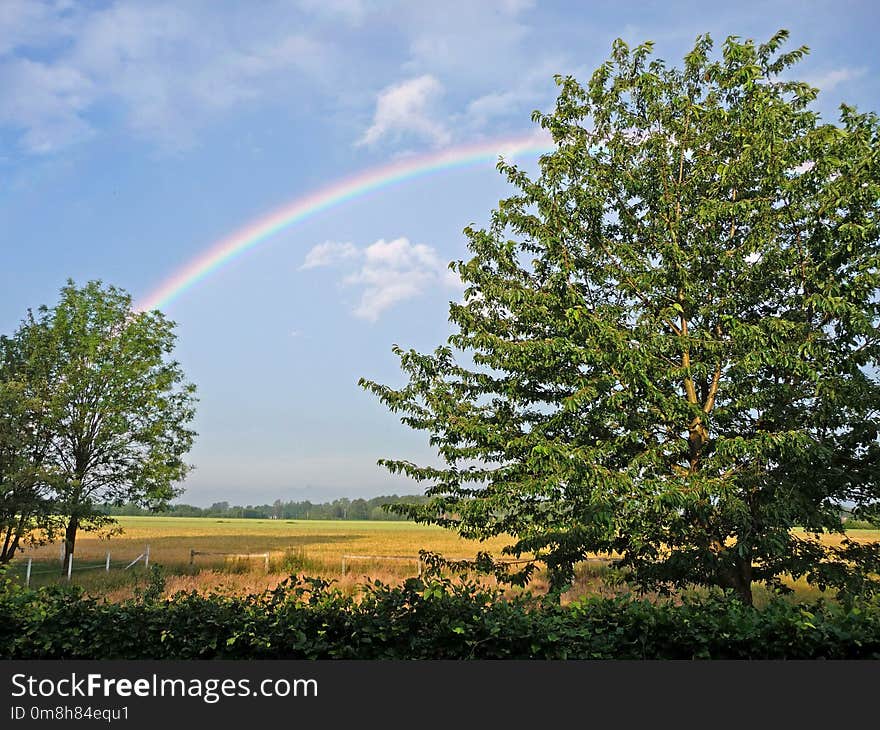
<point x="134" y="135"/>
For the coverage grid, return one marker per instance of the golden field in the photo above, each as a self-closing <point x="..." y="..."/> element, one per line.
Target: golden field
<point x="314" y="547"/>
<point x="171" y="539"/>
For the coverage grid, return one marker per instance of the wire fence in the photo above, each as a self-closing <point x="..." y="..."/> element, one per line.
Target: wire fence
<point x="70" y="566"/>
<point x="246" y="556"/>
<point x="107" y="565"/>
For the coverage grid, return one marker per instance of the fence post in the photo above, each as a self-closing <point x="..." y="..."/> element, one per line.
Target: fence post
<point x="192" y="556"/>
<point x="147" y="557"/>
<point x="27" y="578"/>
<point x="107" y="566"/>
<point x="343" y="565"/>
<point x="69" y="566"/>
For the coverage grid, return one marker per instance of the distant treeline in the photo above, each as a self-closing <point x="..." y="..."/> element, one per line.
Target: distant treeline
<point x="339" y="509"/>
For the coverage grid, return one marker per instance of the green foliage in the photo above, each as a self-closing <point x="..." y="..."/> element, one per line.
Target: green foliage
<point x="107" y="408"/>
<point x="152" y="592"/>
<point x="852" y="522"/>
<point x="432" y="619"/>
<point x="860" y="525"/>
<point x="26" y="505"/>
<point x="668" y="344"/>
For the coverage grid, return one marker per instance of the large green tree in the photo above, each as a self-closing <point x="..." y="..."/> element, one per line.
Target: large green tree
<point x="668" y="343"/>
<point x="116" y="407"/>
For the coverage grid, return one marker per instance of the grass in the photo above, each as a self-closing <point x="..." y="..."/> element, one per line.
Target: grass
<point x="171" y="539"/>
<point x="315" y="547"/>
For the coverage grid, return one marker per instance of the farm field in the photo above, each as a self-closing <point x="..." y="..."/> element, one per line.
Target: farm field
<point x="314" y="547"/>
<point x="172" y="538"/>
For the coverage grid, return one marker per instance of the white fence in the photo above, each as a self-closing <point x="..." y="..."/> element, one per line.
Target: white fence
<point x="70" y="567"/>
<point x="264" y="556"/>
<point x="347" y="561"/>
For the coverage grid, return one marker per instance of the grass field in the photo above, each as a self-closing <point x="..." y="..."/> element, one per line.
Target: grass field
<point x="172" y="538"/>
<point x="295" y="546"/>
<point x="315" y="547"/>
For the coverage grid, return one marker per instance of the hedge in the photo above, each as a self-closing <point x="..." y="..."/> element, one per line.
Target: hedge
<point x="434" y="619"/>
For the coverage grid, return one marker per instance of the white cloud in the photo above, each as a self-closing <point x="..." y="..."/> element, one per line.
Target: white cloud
<point x="46" y="102"/>
<point x="169" y="67"/>
<point x="166" y="70"/>
<point x="35" y="23"/>
<point x="130" y="51"/>
<point x="831" y="79"/>
<point x="535" y="88"/>
<point x="497" y="103"/>
<point x="327" y="254"/>
<point x="394" y="271"/>
<point x="474" y="43"/>
<point x="383" y="288"/>
<point x="400" y="254"/>
<point x="388" y="272"/>
<point x="407" y="108"/>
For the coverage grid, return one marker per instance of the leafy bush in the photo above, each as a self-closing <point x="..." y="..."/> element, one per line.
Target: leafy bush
<point x="853" y="524"/>
<point x="308" y="618"/>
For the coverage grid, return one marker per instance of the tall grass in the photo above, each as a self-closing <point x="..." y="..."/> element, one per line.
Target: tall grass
<point x="295" y="548"/>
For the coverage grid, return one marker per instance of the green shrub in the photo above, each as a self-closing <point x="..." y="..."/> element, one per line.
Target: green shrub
<point x="860" y="525"/>
<point x="432" y="619"/>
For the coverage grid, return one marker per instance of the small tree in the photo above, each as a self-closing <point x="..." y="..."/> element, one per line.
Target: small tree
<point x="673" y="330"/>
<point x="116" y="408"/>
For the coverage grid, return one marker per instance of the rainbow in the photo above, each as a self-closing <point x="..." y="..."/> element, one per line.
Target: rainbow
<point x="253" y="234"/>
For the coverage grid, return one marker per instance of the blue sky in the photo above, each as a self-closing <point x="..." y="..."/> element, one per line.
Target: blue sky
<point x="133" y="135"/>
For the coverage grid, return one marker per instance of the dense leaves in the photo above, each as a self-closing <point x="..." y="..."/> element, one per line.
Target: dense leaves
<point x="668" y="344"/>
<point x="95" y="411"/>
<point x="435" y="619"/>
<point x="27" y="515"/>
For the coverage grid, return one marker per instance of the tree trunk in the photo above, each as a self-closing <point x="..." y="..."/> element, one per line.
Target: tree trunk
<point x="13" y="538"/>
<point x="743" y="589"/>
<point x="69" y="542"/>
<point x="738" y="577"/>
<point x="6" y="554"/>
